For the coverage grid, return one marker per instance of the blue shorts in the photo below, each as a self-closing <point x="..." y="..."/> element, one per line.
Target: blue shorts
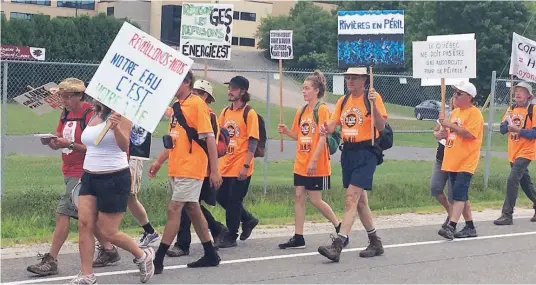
<point x="460" y="182"/>
<point x="358" y="167"/>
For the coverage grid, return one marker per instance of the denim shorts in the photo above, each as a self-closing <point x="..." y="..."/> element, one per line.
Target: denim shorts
<point x="358" y="167"/>
<point x="460" y="185"/>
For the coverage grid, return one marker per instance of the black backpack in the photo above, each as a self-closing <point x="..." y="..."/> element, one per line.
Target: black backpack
<point x="82" y="120"/>
<point x="529" y="115"/>
<point x="385" y="140"/>
<point x="192" y="133"/>
<point x="261" y="145"/>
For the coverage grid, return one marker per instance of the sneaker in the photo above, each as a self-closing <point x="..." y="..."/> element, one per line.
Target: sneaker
<point x="445" y="224"/>
<point x="447" y="232"/>
<point x="105" y="257"/>
<point x="219" y="239"/>
<point x="333" y="251"/>
<point x="206" y="261"/>
<point x="177" y="252"/>
<point x="466" y="232"/>
<point x="293" y="242"/>
<point x="84" y="279"/>
<point x="374" y="248"/>
<point x="504" y="220"/>
<point x="146" y="266"/>
<point x="227" y="241"/>
<point x="247" y="228"/>
<point x="47" y="266"/>
<point x="337" y="230"/>
<point x="147" y="239"/>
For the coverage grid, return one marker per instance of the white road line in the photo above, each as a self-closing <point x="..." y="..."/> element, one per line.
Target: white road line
<point x="273" y="257"/>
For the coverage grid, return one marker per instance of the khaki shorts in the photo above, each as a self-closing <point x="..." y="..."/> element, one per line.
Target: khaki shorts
<point x="65" y="205"/>
<point x="185" y="189"/>
<point x="136" y="171"/>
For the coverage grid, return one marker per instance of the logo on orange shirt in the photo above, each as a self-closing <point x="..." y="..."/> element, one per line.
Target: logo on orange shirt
<point x="452" y="135"/>
<point x="517" y="119"/>
<point x="352" y="117"/>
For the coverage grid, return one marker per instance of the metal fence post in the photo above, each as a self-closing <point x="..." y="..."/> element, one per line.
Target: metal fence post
<point x="267" y="122"/>
<point x="4" y="129"/>
<point x="491" y="109"/>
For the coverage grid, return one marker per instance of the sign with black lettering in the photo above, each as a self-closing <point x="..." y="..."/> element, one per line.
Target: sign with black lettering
<point x="523" y="58"/>
<point x="42" y="99"/>
<point x="444" y="59"/>
<point x="281" y="44"/>
<point x="206" y="30"/>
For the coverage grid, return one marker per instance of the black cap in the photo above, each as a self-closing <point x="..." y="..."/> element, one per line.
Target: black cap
<point x="240" y="82"/>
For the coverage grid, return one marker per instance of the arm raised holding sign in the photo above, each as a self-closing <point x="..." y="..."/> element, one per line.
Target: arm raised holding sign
<point x="121" y="127"/>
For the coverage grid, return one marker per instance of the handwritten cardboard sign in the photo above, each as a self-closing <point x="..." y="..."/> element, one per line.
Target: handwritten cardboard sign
<point x="444" y="59"/>
<point x="206" y="30"/>
<point x="523" y="58"/>
<point x="139" y="77"/>
<point x="281" y="44"/>
<point x="41" y="100"/>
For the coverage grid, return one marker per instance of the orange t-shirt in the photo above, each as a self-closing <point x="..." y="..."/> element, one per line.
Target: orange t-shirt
<point x="239" y="134"/>
<point x="308" y="138"/>
<point x="355" y="125"/>
<point x="182" y="163"/>
<point x="519" y="146"/>
<point x="462" y="154"/>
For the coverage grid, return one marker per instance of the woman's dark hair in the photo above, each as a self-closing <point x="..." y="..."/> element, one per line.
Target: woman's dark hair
<point x="318" y="80"/>
<point x="190" y="77"/>
<point x="102" y="110"/>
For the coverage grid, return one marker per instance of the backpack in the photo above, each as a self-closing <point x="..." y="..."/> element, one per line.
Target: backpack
<point x="261" y="145"/>
<point x="223" y="137"/>
<point x="332" y="140"/>
<point x="529" y="115"/>
<point x="82" y="120"/>
<point x="385" y="140"/>
<point x="194" y="136"/>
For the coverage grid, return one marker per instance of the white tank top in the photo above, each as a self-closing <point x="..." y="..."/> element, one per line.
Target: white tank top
<point x="107" y="156"/>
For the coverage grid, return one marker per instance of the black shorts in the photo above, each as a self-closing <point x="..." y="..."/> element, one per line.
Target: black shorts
<point x="312" y="183"/>
<point x="111" y="190"/>
<point x="358" y="167"/>
<point x="460" y="182"/>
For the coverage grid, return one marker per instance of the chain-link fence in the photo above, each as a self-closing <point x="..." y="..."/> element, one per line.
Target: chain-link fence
<point x="412" y="109"/>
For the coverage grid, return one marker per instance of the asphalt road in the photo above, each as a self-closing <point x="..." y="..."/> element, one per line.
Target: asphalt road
<point x="412" y="255"/>
<point x="30" y="145"/>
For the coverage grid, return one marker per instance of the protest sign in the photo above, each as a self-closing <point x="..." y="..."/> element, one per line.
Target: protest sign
<point x="444" y="59"/>
<point x="438" y="38"/>
<point x="368" y="38"/>
<point x="523" y="58"/>
<point x="139" y="77"/>
<point x="140" y="142"/>
<point x="206" y="30"/>
<point x="281" y="44"/>
<point x="41" y="100"/>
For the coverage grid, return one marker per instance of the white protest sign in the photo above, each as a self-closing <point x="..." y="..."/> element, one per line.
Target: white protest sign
<point x="41" y="100"/>
<point x="281" y="44"/>
<point x="523" y="58"/>
<point x="206" y="30"/>
<point x="139" y="77"/>
<point x="437" y="38"/>
<point x="444" y="59"/>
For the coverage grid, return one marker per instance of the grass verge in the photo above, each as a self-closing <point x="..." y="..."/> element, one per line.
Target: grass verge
<point x="33" y="184"/>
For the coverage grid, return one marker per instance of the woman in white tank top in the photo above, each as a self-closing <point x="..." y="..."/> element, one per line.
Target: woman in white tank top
<point x="104" y="193"/>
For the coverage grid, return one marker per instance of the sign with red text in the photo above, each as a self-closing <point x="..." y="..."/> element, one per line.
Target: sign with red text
<point x="42" y="99"/>
<point x="139" y="77"/>
<point x="523" y="58"/>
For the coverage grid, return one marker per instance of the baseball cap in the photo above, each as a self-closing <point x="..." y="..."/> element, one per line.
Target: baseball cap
<point x="527" y="86"/>
<point x="466" y="87"/>
<point x="356" y="71"/>
<point x="73" y="85"/>
<point x="240" y="82"/>
<point x="204" y="86"/>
